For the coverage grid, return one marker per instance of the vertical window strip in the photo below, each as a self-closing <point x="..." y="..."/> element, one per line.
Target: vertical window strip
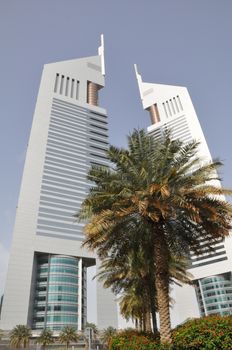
<point x="67" y="87"/>
<point x="61" y="84"/>
<point x="77" y="90"/>
<point x="177" y="108"/>
<point x="180" y="104"/>
<point x="165" y="109"/>
<point x="56" y="82"/>
<point x="169" y="109"/>
<point x="172" y="107"/>
<point x="72" y="88"/>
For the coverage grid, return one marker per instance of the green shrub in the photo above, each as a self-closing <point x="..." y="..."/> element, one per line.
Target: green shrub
<point x="134" y="340"/>
<point x="206" y="333"/>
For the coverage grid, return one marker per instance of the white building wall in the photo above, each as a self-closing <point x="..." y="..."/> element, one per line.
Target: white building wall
<point x="176" y="112"/>
<point x="104" y="301"/>
<point x="26" y="242"/>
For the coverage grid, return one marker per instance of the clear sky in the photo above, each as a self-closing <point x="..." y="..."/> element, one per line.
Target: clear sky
<point x="175" y="42"/>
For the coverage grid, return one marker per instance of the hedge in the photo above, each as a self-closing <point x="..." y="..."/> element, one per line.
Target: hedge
<point x="134" y="340"/>
<point x="206" y="333"/>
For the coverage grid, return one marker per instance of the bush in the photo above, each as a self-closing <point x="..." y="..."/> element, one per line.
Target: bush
<point x="206" y="333"/>
<point x="134" y="340"/>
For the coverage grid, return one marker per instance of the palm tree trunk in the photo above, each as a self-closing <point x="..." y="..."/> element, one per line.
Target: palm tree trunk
<point x="147" y="321"/>
<point x="162" y="286"/>
<point x="144" y="322"/>
<point x="136" y="324"/>
<point x="153" y="315"/>
<point x="152" y="304"/>
<point x="151" y="284"/>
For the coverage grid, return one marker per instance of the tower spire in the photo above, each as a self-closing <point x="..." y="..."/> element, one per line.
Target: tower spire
<point x="151" y="106"/>
<point x="101" y="50"/>
<point x="139" y="79"/>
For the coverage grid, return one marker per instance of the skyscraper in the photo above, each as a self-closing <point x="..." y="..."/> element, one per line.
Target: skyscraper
<point x="46" y="280"/>
<point x="171" y="107"/>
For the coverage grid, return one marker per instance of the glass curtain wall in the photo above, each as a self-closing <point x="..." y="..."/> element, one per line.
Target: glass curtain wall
<point x="56" y="295"/>
<point x="215" y="294"/>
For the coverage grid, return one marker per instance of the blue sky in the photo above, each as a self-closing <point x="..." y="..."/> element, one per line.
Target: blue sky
<point x="175" y="42"/>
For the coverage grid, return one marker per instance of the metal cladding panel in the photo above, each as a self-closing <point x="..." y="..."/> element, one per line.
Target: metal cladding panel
<point x="77" y="138"/>
<point x="67" y="136"/>
<point x="176" y="112"/>
<point x="178" y="116"/>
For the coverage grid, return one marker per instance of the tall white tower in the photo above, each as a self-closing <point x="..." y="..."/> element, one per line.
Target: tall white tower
<point x="46" y="280"/>
<point x="171" y="107"/>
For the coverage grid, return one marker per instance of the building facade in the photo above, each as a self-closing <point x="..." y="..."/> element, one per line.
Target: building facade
<point x="170" y="107"/>
<point x="46" y="279"/>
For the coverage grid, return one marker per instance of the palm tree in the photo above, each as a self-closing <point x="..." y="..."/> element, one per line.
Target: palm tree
<point x="107" y="335"/>
<point x="132" y="276"/>
<point x="132" y="306"/>
<point x="93" y="327"/>
<point x="45" y="338"/>
<point x="83" y="337"/>
<point x="128" y="275"/>
<point x="178" y="266"/>
<point x="68" y="335"/>
<point x="163" y="186"/>
<point x="20" y="336"/>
